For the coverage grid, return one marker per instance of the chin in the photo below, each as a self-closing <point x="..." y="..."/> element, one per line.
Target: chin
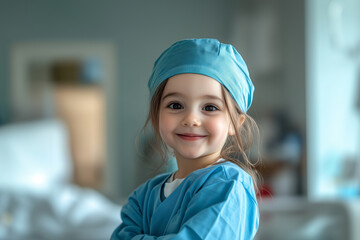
<point x="190" y="156"/>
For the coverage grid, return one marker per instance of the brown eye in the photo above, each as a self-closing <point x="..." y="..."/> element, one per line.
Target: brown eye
<point x="210" y="108"/>
<point x="175" y="106"/>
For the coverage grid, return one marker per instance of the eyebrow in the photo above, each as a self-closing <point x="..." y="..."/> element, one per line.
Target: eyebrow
<point x="208" y="96"/>
<point x="171" y="94"/>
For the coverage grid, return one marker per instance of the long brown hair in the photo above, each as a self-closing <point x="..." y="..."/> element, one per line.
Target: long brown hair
<point x="236" y="148"/>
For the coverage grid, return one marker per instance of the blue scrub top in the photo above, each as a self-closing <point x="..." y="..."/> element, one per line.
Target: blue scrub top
<point x="217" y="202"/>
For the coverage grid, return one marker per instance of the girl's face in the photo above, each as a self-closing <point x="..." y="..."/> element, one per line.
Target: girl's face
<point x="193" y="119"/>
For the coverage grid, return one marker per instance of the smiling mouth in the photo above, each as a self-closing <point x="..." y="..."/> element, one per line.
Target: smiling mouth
<point x="190" y="137"/>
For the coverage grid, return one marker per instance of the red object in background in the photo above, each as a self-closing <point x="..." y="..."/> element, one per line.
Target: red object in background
<point x="265" y="191"/>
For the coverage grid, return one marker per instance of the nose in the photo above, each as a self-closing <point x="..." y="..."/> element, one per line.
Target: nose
<point x="191" y="119"/>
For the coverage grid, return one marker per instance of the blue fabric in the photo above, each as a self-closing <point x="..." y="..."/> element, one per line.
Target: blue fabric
<point x="207" y="57"/>
<point x="217" y="202"/>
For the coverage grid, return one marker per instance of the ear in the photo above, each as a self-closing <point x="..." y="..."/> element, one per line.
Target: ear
<point x="232" y="128"/>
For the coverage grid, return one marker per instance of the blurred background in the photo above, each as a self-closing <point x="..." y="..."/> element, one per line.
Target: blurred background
<point x="73" y="100"/>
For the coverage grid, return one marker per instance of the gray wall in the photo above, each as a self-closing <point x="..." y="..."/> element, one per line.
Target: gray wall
<point x="139" y="29"/>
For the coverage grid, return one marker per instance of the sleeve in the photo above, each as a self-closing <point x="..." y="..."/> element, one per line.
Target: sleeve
<point x="223" y="209"/>
<point x="131" y="216"/>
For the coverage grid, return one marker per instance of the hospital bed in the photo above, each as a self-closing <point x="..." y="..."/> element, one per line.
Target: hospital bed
<point x="37" y="198"/>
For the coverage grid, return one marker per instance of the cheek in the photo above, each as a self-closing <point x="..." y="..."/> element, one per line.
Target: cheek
<point x="166" y="124"/>
<point x="218" y="128"/>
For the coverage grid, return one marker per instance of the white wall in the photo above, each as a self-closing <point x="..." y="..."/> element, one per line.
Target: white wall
<point x="332" y="92"/>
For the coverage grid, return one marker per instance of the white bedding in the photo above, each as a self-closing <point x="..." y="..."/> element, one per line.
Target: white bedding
<point x="67" y="212"/>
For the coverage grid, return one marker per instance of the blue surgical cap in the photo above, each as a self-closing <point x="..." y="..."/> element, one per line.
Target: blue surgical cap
<point x="208" y="57"/>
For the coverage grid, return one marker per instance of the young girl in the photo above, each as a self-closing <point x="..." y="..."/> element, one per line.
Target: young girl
<point x="200" y="91"/>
